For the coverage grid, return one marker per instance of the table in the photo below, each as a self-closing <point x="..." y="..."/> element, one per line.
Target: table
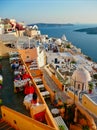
<point x="19" y="84"/>
<point x="55" y="111"/>
<point x="27" y="101"/>
<point x="14" y="58"/>
<point x="16" y="72"/>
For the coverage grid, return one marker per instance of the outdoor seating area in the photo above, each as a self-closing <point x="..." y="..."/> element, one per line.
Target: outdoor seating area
<point x="21" y="81"/>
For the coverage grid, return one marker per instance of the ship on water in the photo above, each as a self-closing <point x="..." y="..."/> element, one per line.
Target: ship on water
<point x="61" y="76"/>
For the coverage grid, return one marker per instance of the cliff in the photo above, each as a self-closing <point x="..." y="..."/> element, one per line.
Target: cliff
<point x="88" y="30"/>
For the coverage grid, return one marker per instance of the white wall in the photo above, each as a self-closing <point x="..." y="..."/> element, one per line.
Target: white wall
<point x="1" y="28"/>
<point x="41" y="57"/>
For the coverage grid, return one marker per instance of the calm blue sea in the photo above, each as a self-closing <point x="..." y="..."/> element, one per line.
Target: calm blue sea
<point x="87" y="42"/>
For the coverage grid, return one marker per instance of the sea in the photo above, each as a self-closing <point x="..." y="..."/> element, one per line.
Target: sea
<point x="87" y="42"/>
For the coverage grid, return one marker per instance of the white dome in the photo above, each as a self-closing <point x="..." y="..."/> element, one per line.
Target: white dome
<point x="35" y="27"/>
<point x="58" y="41"/>
<point x="81" y="75"/>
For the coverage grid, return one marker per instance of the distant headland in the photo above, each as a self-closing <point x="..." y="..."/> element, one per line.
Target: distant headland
<point x="88" y="30"/>
<point x="51" y="24"/>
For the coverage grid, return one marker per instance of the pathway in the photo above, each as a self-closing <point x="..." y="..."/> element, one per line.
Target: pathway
<point x="53" y="86"/>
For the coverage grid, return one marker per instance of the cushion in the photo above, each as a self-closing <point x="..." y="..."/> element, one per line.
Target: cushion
<point x="40" y="116"/>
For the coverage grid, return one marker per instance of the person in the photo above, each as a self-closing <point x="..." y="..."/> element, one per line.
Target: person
<point x="21" y="68"/>
<point x="60" y="103"/>
<point x="55" y="102"/>
<point x="27" y="101"/>
<point x="35" y="99"/>
<point x="26" y="76"/>
<point x="17" y="77"/>
<point x="29" y="88"/>
<point x="15" y="65"/>
<point x="37" y="110"/>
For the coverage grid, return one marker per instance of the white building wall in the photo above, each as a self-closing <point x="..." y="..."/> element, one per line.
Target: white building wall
<point x="41" y="58"/>
<point x="1" y="28"/>
<point x="51" y="57"/>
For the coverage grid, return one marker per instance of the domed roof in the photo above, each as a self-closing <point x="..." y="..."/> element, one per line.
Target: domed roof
<point x="59" y="41"/>
<point x="35" y="27"/>
<point x="81" y="75"/>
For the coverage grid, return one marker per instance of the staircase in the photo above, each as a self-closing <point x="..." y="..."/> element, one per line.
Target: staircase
<point x="41" y="87"/>
<point x="5" y="126"/>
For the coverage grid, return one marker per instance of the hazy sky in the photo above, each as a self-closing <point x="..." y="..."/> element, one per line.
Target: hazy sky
<point x="50" y="11"/>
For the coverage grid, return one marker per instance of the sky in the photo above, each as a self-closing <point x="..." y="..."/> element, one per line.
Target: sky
<point x="50" y="11"/>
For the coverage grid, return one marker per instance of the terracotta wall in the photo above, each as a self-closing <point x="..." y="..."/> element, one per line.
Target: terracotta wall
<point x="31" y="53"/>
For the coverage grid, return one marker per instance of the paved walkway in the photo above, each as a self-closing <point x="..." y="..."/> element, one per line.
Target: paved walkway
<point x="53" y="86"/>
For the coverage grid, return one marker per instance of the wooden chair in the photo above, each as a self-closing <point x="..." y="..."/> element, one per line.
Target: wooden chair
<point x="38" y="112"/>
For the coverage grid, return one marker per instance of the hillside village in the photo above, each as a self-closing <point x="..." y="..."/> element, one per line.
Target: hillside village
<point x="74" y="73"/>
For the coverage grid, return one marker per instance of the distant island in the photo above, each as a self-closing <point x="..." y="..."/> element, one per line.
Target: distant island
<point x="51" y="24"/>
<point x="88" y="30"/>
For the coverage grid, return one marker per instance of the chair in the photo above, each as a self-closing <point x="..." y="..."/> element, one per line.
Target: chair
<point x="38" y="112"/>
